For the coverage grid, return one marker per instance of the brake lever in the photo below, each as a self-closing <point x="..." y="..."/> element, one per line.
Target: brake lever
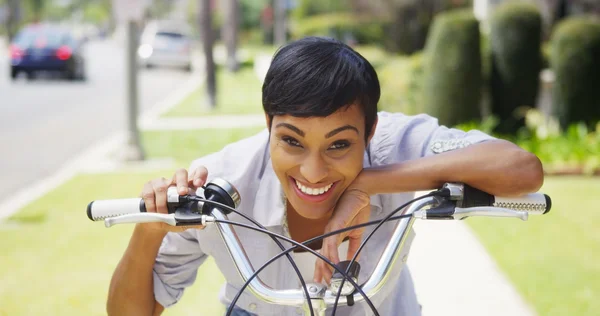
<point x="181" y="217"/>
<point x="461" y="213"/>
<point x="141" y="218"/>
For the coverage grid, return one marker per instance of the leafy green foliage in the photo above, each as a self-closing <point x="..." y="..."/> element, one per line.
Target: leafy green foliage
<point x="341" y="25"/>
<point x="401" y="79"/>
<point x="575" y="150"/>
<point x="515" y="40"/>
<point x="453" y="69"/>
<point x="574" y="57"/>
<point x="307" y="8"/>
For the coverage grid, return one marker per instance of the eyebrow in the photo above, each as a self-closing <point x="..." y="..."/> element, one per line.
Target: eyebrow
<point x="328" y="135"/>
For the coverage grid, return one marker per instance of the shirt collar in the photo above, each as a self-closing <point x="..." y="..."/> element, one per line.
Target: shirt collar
<point x="269" y="205"/>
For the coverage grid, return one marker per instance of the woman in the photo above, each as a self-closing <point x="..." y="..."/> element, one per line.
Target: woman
<point x="327" y="160"/>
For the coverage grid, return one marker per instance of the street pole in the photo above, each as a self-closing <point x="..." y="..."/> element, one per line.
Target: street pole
<point x="133" y="148"/>
<point x="207" y="45"/>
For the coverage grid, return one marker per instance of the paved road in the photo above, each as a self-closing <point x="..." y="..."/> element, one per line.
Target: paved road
<point x="45" y="122"/>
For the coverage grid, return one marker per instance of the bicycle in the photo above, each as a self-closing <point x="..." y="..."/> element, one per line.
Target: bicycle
<point x="453" y="201"/>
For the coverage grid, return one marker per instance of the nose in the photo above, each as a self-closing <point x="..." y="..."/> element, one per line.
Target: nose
<point x="314" y="169"/>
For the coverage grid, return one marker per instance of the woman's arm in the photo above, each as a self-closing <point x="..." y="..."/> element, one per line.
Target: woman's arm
<point x="498" y="167"/>
<point x="131" y="289"/>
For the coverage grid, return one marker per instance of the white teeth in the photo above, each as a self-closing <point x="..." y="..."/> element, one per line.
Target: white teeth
<point x="311" y="191"/>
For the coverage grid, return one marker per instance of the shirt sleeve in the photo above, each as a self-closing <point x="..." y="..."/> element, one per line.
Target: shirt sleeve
<point x="401" y="137"/>
<point x="176" y="266"/>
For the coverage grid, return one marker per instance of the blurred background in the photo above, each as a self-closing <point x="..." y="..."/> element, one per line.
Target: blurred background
<point x="99" y="96"/>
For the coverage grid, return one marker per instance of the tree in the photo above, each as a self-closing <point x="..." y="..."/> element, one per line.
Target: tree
<point x="230" y="33"/>
<point x="207" y="44"/>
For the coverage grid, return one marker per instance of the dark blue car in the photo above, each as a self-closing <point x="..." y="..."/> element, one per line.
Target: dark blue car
<point x="47" y="48"/>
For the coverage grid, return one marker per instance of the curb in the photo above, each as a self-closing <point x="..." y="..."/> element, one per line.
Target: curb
<point x="65" y="173"/>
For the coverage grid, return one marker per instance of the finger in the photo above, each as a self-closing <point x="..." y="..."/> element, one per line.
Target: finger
<point x="181" y="229"/>
<point x="160" y="192"/>
<point x="148" y="197"/>
<point x="330" y="246"/>
<point x="318" y="276"/>
<point x="327" y="273"/>
<point x="180" y="178"/>
<point x="200" y="175"/>
<point x="353" y="245"/>
<point x="191" y="176"/>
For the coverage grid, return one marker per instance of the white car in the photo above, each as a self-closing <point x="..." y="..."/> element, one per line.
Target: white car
<point x="167" y="44"/>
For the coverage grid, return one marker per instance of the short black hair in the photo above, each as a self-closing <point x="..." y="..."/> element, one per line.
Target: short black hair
<point x="317" y="76"/>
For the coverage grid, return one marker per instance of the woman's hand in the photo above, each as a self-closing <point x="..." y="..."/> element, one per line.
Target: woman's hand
<point x="154" y="194"/>
<point x="353" y="208"/>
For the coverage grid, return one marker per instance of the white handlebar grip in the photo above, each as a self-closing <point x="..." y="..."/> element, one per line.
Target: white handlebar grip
<point x="533" y="203"/>
<point x="101" y="209"/>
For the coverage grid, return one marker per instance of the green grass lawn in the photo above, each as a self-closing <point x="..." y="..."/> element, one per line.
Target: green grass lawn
<point x="185" y="146"/>
<point x="553" y="260"/>
<point x="237" y="93"/>
<point x="55" y="261"/>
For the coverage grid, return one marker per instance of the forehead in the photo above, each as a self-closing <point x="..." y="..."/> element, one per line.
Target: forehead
<point x="351" y="115"/>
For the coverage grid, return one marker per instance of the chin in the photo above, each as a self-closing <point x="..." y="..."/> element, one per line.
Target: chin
<point x="312" y="212"/>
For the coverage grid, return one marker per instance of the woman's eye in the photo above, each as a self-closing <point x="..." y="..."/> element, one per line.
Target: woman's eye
<point x="340" y="145"/>
<point x="291" y="141"/>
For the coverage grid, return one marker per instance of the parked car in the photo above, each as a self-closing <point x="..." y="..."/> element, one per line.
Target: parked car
<point x="165" y="43"/>
<point x="47" y="48"/>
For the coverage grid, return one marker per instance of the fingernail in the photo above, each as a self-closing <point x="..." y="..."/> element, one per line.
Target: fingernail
<point x="182" y="190"/>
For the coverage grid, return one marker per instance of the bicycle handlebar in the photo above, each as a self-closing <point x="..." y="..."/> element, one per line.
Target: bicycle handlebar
<point x="453" y="201"/>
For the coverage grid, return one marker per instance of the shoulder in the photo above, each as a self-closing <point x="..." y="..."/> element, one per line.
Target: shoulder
<point x="400" y="137"/>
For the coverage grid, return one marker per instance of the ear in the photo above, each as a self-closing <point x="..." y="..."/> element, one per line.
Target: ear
<point x="373" y="129"/>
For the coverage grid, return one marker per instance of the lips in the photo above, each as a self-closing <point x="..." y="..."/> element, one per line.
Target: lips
<point x="310" y="197"/>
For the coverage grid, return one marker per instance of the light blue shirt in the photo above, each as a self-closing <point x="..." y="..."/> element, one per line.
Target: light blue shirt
<point x="247" y="165"/>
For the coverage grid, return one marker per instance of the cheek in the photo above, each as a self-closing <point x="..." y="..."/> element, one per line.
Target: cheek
<point x="282" y="161"/>
<point x="349" y="165"/>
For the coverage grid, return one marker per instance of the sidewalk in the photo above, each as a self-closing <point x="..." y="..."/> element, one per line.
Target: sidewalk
<point x="455" y="276"/>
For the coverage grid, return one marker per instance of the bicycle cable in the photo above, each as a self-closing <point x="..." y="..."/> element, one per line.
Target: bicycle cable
<point x="296" y="245"/>
<point x="274" y="236"/>
<point x="275" y="240"/>
<point x="307" y="249"/>
<point x="270" y="261"/>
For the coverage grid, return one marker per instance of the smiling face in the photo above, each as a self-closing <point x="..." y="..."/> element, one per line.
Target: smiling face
<point x="317" y="158"/>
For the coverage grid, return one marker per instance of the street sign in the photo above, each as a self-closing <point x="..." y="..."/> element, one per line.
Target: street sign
<point x="129" y="10"/>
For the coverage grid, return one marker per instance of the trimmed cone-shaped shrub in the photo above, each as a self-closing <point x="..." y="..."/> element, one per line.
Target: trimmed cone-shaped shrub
<point x="575" y="59"/>
<point x="452" y="73"/>
<point x="515" y="39"/>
